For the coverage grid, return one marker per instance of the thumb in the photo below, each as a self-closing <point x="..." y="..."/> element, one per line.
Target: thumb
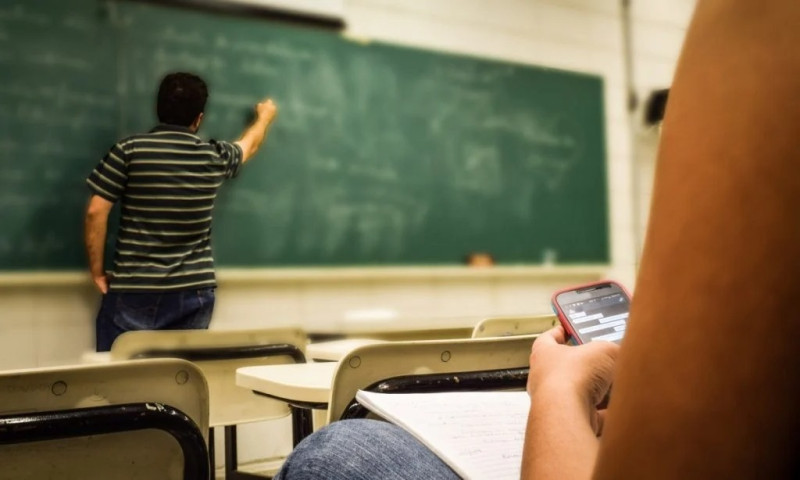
<point x="555" y="335"/>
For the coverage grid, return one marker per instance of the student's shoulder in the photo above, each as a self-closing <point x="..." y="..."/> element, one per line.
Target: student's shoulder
<point x="131" y="141"/>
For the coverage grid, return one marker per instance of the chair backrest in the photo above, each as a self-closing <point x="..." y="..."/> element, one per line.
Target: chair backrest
<point x="507" y="326"/>
<point x="370" y="364"/>
<point x="219" y="353"/>
<point x="125" y="420"/>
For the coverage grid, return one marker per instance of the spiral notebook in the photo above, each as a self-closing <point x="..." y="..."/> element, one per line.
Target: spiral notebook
<point x="478" y="434"/>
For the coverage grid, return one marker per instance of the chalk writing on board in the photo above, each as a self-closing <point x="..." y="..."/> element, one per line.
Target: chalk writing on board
<point x="171" y="35"/>
<point x="471" y="94"/>
<point x="373" y="172"/>
<point x="41" y="246"/>
<point x="478" y="169"/>
<point x="8" y="145"/>
<point x="271" y="49"/>
<point x="6" y="246"/>
<point x="19" y="14"/>
<point x="12" y="200"/>
<point x="463" y="74"/>
<point x="77" y="23"/>
<point x="37" y="115"/>
<point x="165" y="60"/>
<point x="495" y="75"/>
<point x="64" y="95"/>
<point x="53" y="59"/>
<point x="233" y="100"/>
<point x="533" y="129"/>
<point x="221" y="41"/>
<point x="14" y="176"/>
<point x="258" y="68"/>
<point x="49" y="148"/>
<point x="277" y="217"/>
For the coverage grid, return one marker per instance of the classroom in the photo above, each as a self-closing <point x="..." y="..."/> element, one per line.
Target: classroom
<point x="412" y="136"/>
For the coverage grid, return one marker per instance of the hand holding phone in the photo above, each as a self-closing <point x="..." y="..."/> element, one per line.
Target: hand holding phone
<point x="593" y="312"/>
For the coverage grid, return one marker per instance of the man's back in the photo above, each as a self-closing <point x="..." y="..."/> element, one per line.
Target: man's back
<point x="167" y="180"/>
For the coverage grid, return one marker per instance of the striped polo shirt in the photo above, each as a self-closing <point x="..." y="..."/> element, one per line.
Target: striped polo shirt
<point x="167" y="181"/>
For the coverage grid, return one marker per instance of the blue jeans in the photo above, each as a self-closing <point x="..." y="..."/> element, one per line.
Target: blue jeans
<point x="363" y="450"/>
<point x="122" y="312"/>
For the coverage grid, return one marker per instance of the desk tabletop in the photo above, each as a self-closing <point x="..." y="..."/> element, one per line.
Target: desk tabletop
<point x="372" y="326"/>
<point x="335" y="350"/>
<point x="300" y="382"/>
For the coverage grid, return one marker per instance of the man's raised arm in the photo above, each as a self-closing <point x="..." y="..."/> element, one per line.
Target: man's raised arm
<point x="254" y="136"/>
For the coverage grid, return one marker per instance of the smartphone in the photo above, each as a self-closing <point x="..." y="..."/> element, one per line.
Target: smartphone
<point x="593" y="312"/>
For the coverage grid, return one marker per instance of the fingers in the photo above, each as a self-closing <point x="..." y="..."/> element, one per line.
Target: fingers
<point x="555" y="335"/>
<point x="267" y="109"/>
<point x="102" y="284"/>
<point x="610" y="349"/>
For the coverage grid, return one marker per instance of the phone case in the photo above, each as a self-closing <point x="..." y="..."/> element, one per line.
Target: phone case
<point x="562" y="317"/>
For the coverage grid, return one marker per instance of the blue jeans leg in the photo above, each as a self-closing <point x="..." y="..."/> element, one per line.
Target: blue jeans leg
<point x="363" y="450"/>
<point x="105" y="329"/>
<point x="121" y="312"/>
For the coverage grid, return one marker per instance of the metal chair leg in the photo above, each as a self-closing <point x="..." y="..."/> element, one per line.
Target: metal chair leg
<point x="232" y="458"/>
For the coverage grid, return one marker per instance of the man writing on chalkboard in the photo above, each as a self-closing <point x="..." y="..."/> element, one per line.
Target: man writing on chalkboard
<point x="167" y="179"/>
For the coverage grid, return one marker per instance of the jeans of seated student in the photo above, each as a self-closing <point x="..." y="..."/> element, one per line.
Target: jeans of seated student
<point x="122" y="312"/>
<point x="362" y="449"/>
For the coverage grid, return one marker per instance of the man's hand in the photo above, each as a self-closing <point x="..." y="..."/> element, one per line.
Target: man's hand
<point x="251" y="139"/>
<point x="101" y="282"/>
<point x="585" y="370"/>
<point x="267" y="110"/>
<point x="95" y="226"/>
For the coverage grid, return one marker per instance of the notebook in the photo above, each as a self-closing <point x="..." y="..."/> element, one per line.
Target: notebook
<point x="478" y="434"/>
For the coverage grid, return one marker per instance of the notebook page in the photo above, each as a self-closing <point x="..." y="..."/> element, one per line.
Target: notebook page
<point x="478" y="434"/>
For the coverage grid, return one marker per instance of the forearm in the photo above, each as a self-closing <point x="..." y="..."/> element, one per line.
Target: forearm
<point x="253" y="137"/>
<point x="95" y="228"/>
<point x="559" y="441"/>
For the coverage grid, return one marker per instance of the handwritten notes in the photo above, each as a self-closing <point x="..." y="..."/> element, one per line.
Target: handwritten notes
<point x="478" y="434"/>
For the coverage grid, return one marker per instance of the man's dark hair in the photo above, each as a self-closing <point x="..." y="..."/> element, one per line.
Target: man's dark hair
<point x="181" y="98"/>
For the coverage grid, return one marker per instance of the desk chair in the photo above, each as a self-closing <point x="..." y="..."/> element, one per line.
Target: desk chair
<point x="429" y="366"/>
<point x="128" y="420"/>
<point x="507" y="326"/>
<point x="218" y="353"/>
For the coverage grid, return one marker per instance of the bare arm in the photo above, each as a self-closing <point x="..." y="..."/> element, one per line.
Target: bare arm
<point x="254" y="136"/>
<point x="565" y="384"/>
<point x="707" y="381"/>
<point x="95" y="226"/>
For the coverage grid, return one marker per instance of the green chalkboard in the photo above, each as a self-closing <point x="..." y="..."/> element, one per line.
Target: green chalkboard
<point x="381" y="154"/>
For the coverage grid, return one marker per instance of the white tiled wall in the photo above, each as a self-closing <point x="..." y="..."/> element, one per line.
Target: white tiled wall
<point x="49" y="325"/>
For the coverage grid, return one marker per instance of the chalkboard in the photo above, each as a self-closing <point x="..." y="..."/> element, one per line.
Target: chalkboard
<point x="381" y="154"/>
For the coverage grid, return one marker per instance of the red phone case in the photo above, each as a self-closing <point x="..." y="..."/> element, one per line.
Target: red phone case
<point x="562" y="317"/>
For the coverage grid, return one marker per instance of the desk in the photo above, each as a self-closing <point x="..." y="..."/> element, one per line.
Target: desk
<point x="400" y="328"/>
<point x="335" y="350"/>
<point x="304" y="386"/>
<point x="93" y="357"/>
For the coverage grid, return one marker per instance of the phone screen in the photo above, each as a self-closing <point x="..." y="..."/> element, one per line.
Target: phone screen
<point x="597" y="314"/>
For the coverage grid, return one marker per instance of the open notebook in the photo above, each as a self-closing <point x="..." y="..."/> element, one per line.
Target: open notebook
<point x="478" y="434"/>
